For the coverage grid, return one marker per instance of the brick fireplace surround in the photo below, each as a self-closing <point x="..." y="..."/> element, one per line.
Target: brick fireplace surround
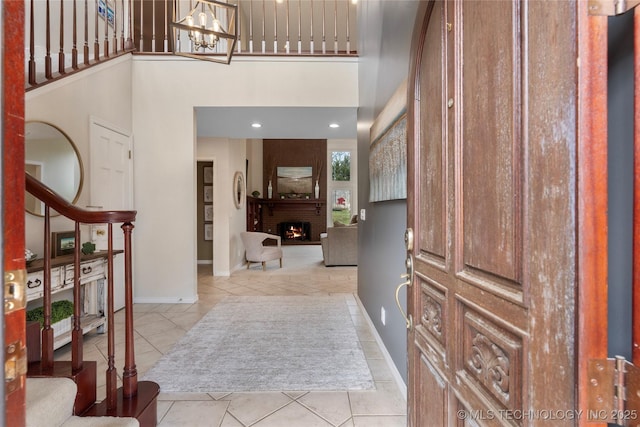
<point x="294" y="152"/>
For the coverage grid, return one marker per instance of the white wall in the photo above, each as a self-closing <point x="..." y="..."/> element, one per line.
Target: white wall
<point x="229" y="156"/>
<point x="165" y="92"/>
<point x="238" y="216"/>
<point x="103" y="91"/>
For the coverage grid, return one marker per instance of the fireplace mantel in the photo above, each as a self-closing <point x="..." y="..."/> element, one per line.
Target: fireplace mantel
<point x="295" y="205"/>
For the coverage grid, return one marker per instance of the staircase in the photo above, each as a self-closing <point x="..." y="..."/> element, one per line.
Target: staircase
<point x="75" y="381"/>
<point x="50" y="403"/>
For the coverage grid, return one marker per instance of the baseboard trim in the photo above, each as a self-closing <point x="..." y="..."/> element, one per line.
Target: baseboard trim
<point x="387" y="357"/>
<point x="167" y="300"/>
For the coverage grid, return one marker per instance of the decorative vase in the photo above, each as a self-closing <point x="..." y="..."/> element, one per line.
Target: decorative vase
<point x="317" y="190"/>
<point x="269" y="190"/>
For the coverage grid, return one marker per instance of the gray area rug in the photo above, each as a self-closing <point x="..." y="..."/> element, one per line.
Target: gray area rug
<point x="291" y="343"/>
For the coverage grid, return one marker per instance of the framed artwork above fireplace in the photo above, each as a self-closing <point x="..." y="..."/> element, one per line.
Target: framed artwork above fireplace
<point x="295" y="181"/>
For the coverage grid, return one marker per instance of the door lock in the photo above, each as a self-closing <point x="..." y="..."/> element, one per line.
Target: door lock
<point x="408" y="239"/>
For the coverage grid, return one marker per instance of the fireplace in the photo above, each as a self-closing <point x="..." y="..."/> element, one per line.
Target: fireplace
<point x="293" y="231"/>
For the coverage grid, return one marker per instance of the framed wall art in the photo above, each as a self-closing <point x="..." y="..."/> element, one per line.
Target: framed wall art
<point x="208" y="232"/>
<point x="62" y="243"/>
<point x="208" y="193"/>
<point x="208" y="175"/>
<point x="208" y="212"/>
<point x="388" y="150"/>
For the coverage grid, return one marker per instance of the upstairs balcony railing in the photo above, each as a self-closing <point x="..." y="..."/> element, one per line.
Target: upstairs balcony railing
<point x="63" y="37"/>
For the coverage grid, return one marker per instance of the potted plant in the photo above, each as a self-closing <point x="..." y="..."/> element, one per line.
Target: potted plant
<point x="61" y="312"/>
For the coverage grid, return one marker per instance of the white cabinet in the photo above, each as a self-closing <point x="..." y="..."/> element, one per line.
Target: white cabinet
<point x="93" y="275"/>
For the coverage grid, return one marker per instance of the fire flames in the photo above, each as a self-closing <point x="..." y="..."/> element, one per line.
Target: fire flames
<point x="294" y="233"/>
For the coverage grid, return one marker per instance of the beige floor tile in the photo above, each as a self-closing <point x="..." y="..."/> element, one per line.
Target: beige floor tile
<point x="293" y="415"/>
<point x="385" y="400"/>
<point x="148" y="318"/>
<point x="379" y="370"/>
<point x="331" y="406"/>
<point x="163" y="408"/>
<point x="183" y="396"/>
<point x="384" y="421"/>
<point x="165" y="341"/>
<point x="230" y="421"/>
<point x="371" y="350"/>
<point x="295" y="394"/>
<point x="194" y="414"/>
<point x="251" y="407"/>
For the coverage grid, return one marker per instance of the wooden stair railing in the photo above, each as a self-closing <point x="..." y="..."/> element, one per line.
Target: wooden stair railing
<point x="133" y="399"/>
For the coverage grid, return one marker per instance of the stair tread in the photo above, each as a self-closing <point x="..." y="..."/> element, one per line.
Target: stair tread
<point x="49" y="401"/>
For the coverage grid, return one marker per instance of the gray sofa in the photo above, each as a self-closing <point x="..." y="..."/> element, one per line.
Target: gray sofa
<point x="340" y="245"/>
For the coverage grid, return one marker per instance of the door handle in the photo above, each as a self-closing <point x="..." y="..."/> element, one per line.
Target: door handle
<point x="408" y="320"/>
<point x="408" y="276"/>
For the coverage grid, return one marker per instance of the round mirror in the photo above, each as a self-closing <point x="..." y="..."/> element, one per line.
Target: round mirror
<point x="238" y="190"/>
<point x="53" y="159"/>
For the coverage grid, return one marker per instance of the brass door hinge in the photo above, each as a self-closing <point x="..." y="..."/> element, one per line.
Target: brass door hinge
<point x="15" y="366"/>
<point x="611" y="7"/>
<point x="15" y="297"/>
<point x="614" y="392"/>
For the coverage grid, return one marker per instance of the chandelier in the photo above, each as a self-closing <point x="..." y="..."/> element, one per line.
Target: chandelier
<point x="204" y="26"/>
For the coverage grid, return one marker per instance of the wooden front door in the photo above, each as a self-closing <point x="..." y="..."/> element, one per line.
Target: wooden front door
<point x="492" y="112"/>
<point x="13" y="263"/>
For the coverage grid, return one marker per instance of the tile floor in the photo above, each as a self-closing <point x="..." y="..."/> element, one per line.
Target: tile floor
<point x="159" y="326"/>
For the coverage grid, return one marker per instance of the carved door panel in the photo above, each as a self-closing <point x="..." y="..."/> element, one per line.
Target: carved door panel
<point x="491" y="109"/>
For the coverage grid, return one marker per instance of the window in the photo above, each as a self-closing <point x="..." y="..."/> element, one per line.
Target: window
<point x="341" y="166"/>
<point x="341" y="206"/>
<point x="342" y="181"/>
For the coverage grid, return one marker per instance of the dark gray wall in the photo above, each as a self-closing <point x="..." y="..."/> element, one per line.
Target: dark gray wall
<point x="620" y="158"/>
<point x="385" y="29"/>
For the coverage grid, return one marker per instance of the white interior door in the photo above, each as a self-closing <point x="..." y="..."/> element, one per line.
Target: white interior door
<point x="110" y="180"/>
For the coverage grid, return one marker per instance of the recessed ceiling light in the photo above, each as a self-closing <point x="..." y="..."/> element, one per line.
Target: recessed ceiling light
<point x="256" y="125"/>
<point x="334" y="125"/>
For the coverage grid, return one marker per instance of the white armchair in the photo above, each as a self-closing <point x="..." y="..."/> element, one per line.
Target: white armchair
<point x="257" y="252"/>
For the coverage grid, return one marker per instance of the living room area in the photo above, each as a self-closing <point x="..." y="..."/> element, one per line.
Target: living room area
<point x="302" y="190"/>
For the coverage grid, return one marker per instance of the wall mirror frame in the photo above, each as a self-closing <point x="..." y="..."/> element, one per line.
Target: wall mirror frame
<point x="52" y="158"/>
<point x="239" y="190"/>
